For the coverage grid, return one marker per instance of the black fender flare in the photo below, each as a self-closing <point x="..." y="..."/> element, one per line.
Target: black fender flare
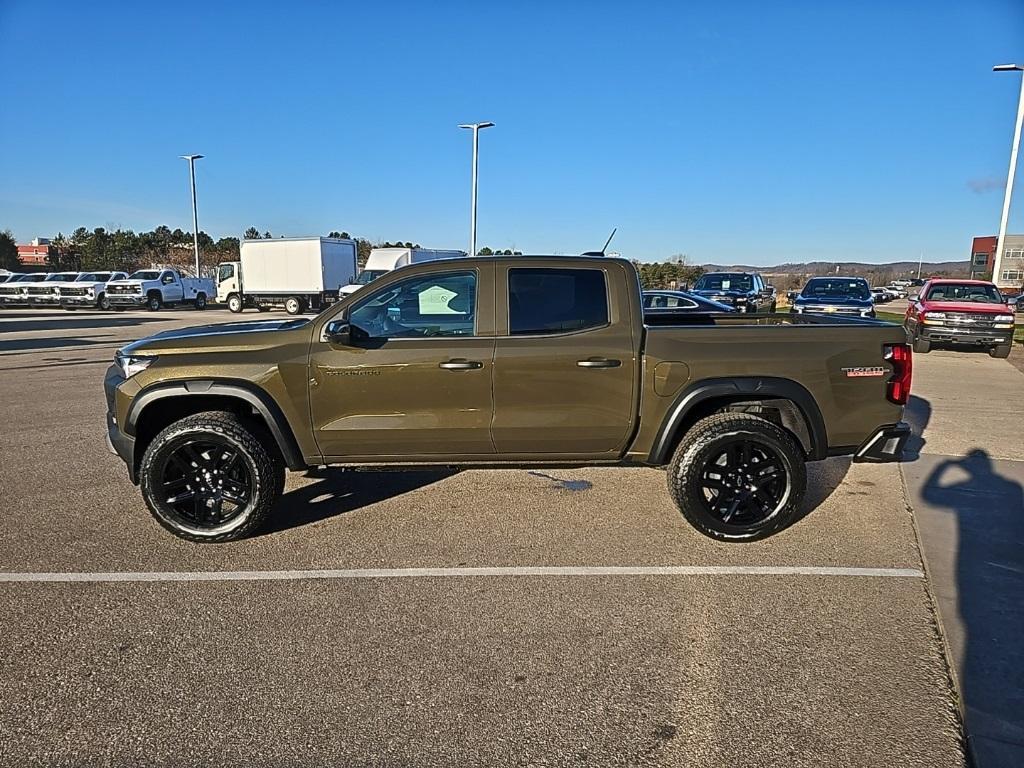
<point x="246" y="391"/>
<point x="756" y="388"/>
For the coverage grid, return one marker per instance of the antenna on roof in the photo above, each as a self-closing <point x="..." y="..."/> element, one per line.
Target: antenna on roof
<point x="606" y="244"/>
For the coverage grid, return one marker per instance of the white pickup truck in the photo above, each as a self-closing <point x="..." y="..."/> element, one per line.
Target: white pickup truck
<point x="88" y="290"/>
<point x="156" y="288"/>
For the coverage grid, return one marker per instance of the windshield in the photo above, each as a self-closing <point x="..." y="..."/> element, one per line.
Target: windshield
<point x="724" y="281"/>
<point x="225" y="272"/>
<point x="144" y="275"/>
<point x="836" y="288"/>
<point x="93" y="277"/>
<point x="369" y="275"/>
<point x="982" y="294"/>
<point x="24" y="278"/>
<point x="63" y="277"/>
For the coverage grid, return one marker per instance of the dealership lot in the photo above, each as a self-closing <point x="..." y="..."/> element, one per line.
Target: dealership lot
<point x="638" y="642"/>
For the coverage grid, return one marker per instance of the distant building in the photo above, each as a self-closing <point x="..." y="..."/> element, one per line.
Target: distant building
<point x="983" y="257"/>
<point x="36" y="253"/>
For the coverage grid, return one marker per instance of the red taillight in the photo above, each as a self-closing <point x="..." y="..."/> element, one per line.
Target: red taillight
<point x="902" y="361"/>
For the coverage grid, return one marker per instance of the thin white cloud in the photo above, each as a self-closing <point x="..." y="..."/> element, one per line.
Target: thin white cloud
<point x="985" y="184"/>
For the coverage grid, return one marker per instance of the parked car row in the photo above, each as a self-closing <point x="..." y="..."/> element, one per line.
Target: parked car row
<point x="150" y="288"/>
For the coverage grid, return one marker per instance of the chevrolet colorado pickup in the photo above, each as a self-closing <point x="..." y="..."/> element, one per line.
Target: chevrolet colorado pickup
<point x="505" y="362"/>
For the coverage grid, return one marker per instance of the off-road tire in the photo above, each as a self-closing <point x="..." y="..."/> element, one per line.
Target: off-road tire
<point x="1002" y="350"/>
<point x="266" y="470"/>
<point x="703" y="443"/>
<point x="235" y="303"/>
<point x="154" y="301"/>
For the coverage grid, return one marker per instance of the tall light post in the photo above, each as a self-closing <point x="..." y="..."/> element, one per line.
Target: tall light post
<point x="195" y="214"/>
<point x="997" y="266"/>
<point x="476" y="127"/>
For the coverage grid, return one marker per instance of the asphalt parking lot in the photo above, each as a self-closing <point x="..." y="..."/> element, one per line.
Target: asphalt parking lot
<point x="606" y="631"/>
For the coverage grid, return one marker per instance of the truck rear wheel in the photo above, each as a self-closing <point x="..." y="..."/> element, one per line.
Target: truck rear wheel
<point x="1002" y="350"/>
<point x="235" y="303"/>
<point x="200" y="302"/>
<point x="737" y="477"/>
<point x="209" y="478"/>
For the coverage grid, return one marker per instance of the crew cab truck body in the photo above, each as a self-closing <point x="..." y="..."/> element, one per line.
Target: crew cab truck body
<point x="508" y="361"/>
<point x="156" y="288"/>
<point x="960" y="312"/>
<point x="297" y="273"/>
<point x="88" y="290"/>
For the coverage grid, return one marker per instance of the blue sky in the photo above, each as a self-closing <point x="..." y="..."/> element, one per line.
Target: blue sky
<point x="744" y="131"/>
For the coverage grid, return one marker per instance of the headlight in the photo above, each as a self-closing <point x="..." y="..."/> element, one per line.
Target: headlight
<point x="89" y="292"/>
<point x="798" y="308"/>
<point x="132" y="364"/>
<point x="1004" y="318"/>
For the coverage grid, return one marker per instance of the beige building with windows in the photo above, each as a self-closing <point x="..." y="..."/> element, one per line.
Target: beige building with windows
<point x="1011" y="271"/>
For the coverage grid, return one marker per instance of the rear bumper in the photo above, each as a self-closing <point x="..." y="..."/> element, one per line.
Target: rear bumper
<point x="886" y="444"/>
<point x="981" y="336"/>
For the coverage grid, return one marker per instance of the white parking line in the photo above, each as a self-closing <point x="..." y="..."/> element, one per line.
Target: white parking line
<point x="405" y="573"/>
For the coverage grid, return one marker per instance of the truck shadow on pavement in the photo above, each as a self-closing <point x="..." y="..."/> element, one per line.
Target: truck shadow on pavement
<point x="336" y="492"/>
<point x="989" y="514"/>
<point x="918" y="413"/>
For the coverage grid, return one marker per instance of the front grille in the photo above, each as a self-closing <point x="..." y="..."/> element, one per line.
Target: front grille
<point x="40" y="291"/>
<point x="124" y="289"/>
<point x="970" y="319"/>
<point x="9" y="291"/>
<point x="73" y="291"/>
<point x="833" y="310"/>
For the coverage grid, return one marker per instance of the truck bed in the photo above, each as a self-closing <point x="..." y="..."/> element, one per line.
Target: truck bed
<point x="671" y="318"/>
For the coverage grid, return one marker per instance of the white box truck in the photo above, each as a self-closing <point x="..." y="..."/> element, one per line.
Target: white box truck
<point x="297" y="273"/>
<point x="383" y="260"/>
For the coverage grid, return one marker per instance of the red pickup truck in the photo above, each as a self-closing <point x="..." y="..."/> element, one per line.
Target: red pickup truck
<point x="965" y="312"/>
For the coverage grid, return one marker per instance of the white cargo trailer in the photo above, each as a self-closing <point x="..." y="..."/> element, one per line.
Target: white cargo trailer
<point x="383" y="260"/>
<point x="298" y="273"/>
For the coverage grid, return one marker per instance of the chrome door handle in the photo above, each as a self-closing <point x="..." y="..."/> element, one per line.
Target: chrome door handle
<point x="460" y="365"/>
<point x="598" y="362"/>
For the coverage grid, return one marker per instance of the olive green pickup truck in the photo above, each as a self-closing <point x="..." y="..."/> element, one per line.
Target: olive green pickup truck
<point x="505" y="362"/>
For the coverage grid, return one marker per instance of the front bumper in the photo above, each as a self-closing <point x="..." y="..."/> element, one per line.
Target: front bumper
<point x="126" y="299"/>
<point x="886" y="444"/>
<point x="78" y="301"/>
<point x="987" y="337"/>
<point x="117" y="441"/>
<point x="51" y="299"/>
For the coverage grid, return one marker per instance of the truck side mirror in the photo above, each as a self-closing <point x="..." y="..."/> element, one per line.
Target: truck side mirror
<point x="338" y="333"/>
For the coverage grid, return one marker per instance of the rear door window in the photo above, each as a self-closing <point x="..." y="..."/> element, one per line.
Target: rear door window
<point x="546" y="301"/>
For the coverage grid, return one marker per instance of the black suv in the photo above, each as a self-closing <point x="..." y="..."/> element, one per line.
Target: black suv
<point x="746" y="291"/>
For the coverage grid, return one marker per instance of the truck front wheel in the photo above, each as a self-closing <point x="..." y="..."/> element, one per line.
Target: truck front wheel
<point x="235" y="303"/>
<point x="1002" y="350"/>
<point x="209" y="478"/>
<point x="154" y="301"/>
<point x="293" y="305"/>
<point x="737" y="477"/>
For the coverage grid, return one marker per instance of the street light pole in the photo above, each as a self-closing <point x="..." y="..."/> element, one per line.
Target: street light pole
<point x="195" y="214"/>
<point x="997" y="266"/>
<point x="476" y="127"/>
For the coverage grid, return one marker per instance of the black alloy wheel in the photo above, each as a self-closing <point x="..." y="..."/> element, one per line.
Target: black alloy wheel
<point x="745" y="483"/>
<point x="211" y="477"/>
<point x="737" y="477"/>
<point x="205" y="483"/>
